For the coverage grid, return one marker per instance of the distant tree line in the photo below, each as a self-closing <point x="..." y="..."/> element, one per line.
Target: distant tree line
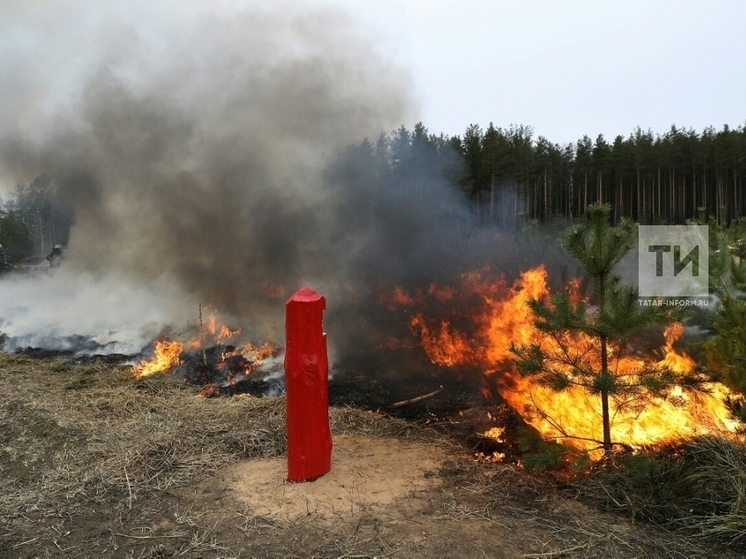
<point x="31" y="220"/>
<point x="506" y="174"/>
<point x="509" y="176"/>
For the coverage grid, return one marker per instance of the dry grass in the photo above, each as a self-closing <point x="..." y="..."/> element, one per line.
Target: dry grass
<point x="106" y="439"/>
<point x="92" y="431"/>
<point x="77" y="437"/>
<point x="94" y="463"/>
<point x="697" y="489"/>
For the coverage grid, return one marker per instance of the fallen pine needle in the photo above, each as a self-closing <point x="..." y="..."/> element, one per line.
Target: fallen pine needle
<point x="129" y="487"/>
<point x="32" y="540"/>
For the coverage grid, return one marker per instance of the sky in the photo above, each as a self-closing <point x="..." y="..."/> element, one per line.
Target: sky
<point x="567" y="68"/>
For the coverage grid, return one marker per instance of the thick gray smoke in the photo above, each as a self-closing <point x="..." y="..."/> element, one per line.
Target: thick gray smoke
<point x="192" y="145"/>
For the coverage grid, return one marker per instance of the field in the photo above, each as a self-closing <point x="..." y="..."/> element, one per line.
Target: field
<point x="95" y="463"/>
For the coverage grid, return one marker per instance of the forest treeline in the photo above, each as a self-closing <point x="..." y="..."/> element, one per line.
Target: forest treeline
<point x="507" y="175"/>
<point x="33" y="219"/>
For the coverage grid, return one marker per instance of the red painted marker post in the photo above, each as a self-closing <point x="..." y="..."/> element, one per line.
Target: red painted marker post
<point x="306" y="386"/>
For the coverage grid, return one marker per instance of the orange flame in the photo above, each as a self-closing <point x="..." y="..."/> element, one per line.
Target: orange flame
<point x="166" y="355"/>
<point x="572" y="416"/>
<point x="444" y="346"/>
<point x="211" y="333"/>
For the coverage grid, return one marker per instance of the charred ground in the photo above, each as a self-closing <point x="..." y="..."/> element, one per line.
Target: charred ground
<point x="458" y="402"/>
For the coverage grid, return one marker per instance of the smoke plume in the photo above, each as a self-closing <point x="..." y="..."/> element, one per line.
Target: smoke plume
<point x="188" y="142"/>
<point x="211" y="156"/>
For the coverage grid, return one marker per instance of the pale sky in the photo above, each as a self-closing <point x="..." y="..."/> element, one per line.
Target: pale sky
<point x="568" y="67"/>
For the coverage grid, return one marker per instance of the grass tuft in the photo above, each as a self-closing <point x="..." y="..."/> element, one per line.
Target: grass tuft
<point x="698" y="488"/>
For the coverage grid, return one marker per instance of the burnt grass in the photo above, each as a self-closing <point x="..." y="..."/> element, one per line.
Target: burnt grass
<point x="465" y="406"/>
<point x="97" y="463"/>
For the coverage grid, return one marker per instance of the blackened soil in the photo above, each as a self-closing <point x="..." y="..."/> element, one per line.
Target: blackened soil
<point x="77" y="358"/>
<point x="466" y="406"/>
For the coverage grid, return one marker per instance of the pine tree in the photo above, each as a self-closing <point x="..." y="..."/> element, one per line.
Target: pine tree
<point x="726" y="349"/>
<point x="613" y="320"/>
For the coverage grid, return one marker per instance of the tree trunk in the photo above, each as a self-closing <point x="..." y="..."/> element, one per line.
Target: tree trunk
<point x="546" y="196"/>
<point x="585" y="193"/>
<point x="659" y="193"/>
<point x="639" y="212"/>
<point x="492" y="194"/>
<point x="605" y="415"/>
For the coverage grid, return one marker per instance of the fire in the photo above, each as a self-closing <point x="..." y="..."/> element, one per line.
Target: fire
<point x="166" y="355"/>
<point x="444" y="345"/>
<point x="258" y="354"/>
<point x="211" y="333"/>
<point x="505" y="317"/>
<point x="272" y="291"/>
<point x="572" y="416"/>
<point x="681" y="363"/>
<point x="226" y="357"/>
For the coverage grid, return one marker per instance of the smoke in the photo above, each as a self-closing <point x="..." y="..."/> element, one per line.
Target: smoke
<point x="189" y="143"/>
<point x="79" y="312"/>
<point x="215" y="156"/>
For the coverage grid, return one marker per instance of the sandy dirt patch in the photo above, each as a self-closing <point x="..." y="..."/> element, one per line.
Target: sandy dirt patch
<point x="364" y="478"/>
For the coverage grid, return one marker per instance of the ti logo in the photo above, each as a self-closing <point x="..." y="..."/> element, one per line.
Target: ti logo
<point x="673" y="260"/>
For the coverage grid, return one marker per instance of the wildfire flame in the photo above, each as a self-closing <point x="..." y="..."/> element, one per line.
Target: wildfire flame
<point x="445" y="346"/>
<point x="168" y="354"/>
<point x="572" y="416"/>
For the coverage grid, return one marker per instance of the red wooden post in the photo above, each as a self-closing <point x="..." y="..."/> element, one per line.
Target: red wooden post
<point x="306" y="386"/>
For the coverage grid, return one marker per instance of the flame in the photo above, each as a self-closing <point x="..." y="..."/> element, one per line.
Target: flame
<point x="257" y="354"/>
<point x="572" y="416"/>
<point x="166" y="355"/>
<point x="678" y="362"/>
<point x="443" y="345"/>
<point x="399" y="297"/>
<point x="211" y="333"/>
<point x="272" y="291"/>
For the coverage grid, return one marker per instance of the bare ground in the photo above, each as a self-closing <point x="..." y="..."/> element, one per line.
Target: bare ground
<point x="94" y="463"/>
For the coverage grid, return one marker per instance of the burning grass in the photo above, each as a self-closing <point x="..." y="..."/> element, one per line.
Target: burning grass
<point x="498" y="315"/>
